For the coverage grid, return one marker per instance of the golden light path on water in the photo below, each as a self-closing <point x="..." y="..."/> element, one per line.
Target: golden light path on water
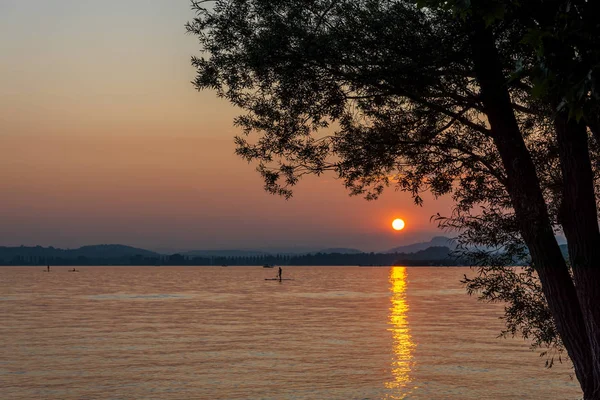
<point x="403" y="345"/>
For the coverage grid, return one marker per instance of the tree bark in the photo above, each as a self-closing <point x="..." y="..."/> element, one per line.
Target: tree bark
<point x="580" y="223"/>
<point x="530" y="207"/>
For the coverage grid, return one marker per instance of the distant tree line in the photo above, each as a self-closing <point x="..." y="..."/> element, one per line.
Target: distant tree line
<point x="430" y="256"/>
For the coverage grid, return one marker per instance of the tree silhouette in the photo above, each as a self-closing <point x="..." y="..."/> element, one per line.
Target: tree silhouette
<point x="458" y="98"/>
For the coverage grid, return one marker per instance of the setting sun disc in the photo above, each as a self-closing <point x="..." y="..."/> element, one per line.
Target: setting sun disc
<point x="398" y="224"/>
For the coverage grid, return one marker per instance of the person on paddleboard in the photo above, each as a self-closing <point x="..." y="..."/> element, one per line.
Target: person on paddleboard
<point x="279" y="273"/>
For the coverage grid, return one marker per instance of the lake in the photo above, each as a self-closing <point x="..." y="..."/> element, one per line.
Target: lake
<point x="226" y="333"/>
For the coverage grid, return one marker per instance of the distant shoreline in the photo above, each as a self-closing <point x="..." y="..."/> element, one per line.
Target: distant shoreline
<point x="120" y="255"/>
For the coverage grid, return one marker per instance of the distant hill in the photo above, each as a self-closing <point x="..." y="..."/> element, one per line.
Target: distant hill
<point x="430" y="253"/>
<point x="437" y="241"/>
<point x="111" y="251"/>
<point x="47" y="254"/>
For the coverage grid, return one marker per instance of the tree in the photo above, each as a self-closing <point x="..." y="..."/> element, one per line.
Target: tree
<point x="443" y="98"/>
<point x="564" y="73"/>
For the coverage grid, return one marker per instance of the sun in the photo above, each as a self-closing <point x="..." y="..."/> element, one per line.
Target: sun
<point x="398" y="224"/>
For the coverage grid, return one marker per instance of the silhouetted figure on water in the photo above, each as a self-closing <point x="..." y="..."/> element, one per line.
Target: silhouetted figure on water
<point x="279" y="274"/>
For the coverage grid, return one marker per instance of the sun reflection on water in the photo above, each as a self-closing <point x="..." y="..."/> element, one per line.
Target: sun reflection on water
<point x="403" y="345"/>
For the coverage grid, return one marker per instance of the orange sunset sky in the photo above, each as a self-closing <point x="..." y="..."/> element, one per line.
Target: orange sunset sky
<point x="104" y="140"/>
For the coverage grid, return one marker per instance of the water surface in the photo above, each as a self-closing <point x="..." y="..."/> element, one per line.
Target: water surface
<point x="226" y="333"/>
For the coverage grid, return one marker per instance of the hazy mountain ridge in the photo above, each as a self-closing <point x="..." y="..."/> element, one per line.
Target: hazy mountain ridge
<point x="91" y="251"/>
<point x="127" y="255"/>
<point x="436" y="241"/>
<point x="112" y="250"/>
<point x="430" y="253"/>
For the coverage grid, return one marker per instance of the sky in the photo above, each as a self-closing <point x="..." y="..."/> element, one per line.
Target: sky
<point x="103" y="139"/>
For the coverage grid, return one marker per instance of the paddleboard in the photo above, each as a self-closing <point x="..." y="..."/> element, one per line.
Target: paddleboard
<point x="277" y="279"/>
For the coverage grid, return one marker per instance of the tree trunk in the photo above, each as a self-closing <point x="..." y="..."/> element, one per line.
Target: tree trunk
<point x="530" y="207"/>
<point x="580" y="223"/>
